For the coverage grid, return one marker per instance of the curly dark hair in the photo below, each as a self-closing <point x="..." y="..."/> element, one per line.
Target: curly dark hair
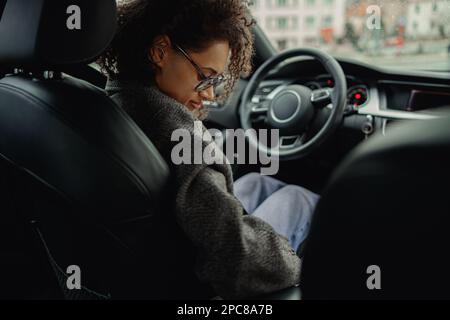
<point x="192" y="24"/>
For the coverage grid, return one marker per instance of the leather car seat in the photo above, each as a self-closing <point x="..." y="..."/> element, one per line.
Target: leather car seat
<point x="381" y="228"/>
<point x="80" y="184"/>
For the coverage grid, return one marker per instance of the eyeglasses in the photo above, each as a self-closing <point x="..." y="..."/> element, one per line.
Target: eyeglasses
<point x="205" y="81"/>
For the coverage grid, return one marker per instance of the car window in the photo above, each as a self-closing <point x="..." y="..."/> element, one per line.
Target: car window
<point x="408" y="34"/>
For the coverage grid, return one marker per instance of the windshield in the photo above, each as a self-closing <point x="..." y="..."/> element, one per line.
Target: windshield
<point x="408" y="34"/>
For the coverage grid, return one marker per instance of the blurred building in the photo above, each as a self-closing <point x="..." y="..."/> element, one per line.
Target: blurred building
<point x="393" y="15"/>
<point x="390" y="33"/>
<point x="295" y="23"/>
<point x="428" y="19"/>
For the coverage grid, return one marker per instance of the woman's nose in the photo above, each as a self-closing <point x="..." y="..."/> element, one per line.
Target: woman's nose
<point x="208" y="94"/>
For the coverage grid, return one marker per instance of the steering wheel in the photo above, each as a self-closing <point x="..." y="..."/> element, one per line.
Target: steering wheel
<point x="305" y="118"/>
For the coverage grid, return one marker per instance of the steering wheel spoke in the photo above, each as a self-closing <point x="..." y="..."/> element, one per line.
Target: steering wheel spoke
<point x="288" y="142"/>
<point x="259" y="108"/>
<point x="321" y="97"/>
<point x="320" y="119"/>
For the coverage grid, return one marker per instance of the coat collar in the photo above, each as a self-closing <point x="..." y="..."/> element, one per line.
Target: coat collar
<point x="156" y="101"/>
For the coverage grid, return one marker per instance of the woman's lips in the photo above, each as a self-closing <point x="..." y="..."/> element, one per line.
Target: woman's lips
<point x="197" y="105"/>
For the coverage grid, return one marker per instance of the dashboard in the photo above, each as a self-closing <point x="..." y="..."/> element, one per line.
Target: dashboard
<point x="376" y="96"/>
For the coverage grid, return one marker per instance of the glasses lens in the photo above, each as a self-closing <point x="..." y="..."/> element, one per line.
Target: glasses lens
<point x="210" y="82"/>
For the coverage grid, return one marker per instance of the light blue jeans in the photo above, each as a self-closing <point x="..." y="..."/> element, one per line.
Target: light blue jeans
<point x="287" y="208"/>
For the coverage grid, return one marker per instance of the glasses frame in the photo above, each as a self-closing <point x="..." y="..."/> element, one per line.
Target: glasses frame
<point x="206" y="81"/>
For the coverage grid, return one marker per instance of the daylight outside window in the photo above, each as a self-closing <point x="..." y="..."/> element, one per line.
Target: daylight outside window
<point x="407" y="34"/>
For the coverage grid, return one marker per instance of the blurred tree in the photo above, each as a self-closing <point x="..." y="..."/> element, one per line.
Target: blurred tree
<point x="443" y="22"/>
<point x="351" y="35"/>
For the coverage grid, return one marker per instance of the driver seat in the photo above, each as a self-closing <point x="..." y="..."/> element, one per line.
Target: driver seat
<point x="80" y="184"/>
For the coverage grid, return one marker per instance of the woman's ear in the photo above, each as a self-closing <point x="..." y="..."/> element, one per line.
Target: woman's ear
<point x="158" y="52"/>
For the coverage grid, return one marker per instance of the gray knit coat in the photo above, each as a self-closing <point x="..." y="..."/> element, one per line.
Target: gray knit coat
<point x="237" y="254"/>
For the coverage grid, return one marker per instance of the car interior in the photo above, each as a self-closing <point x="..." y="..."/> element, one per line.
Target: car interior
<point x="80" y="182"/>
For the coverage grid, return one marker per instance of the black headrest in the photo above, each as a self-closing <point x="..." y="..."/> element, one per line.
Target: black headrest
<point x="52" y="33"/>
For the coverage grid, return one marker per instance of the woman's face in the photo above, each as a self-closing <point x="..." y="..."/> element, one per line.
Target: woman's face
<point x="177" y="77"/>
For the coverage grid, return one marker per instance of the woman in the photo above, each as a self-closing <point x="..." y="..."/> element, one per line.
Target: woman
<point x="166" y="59"/>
